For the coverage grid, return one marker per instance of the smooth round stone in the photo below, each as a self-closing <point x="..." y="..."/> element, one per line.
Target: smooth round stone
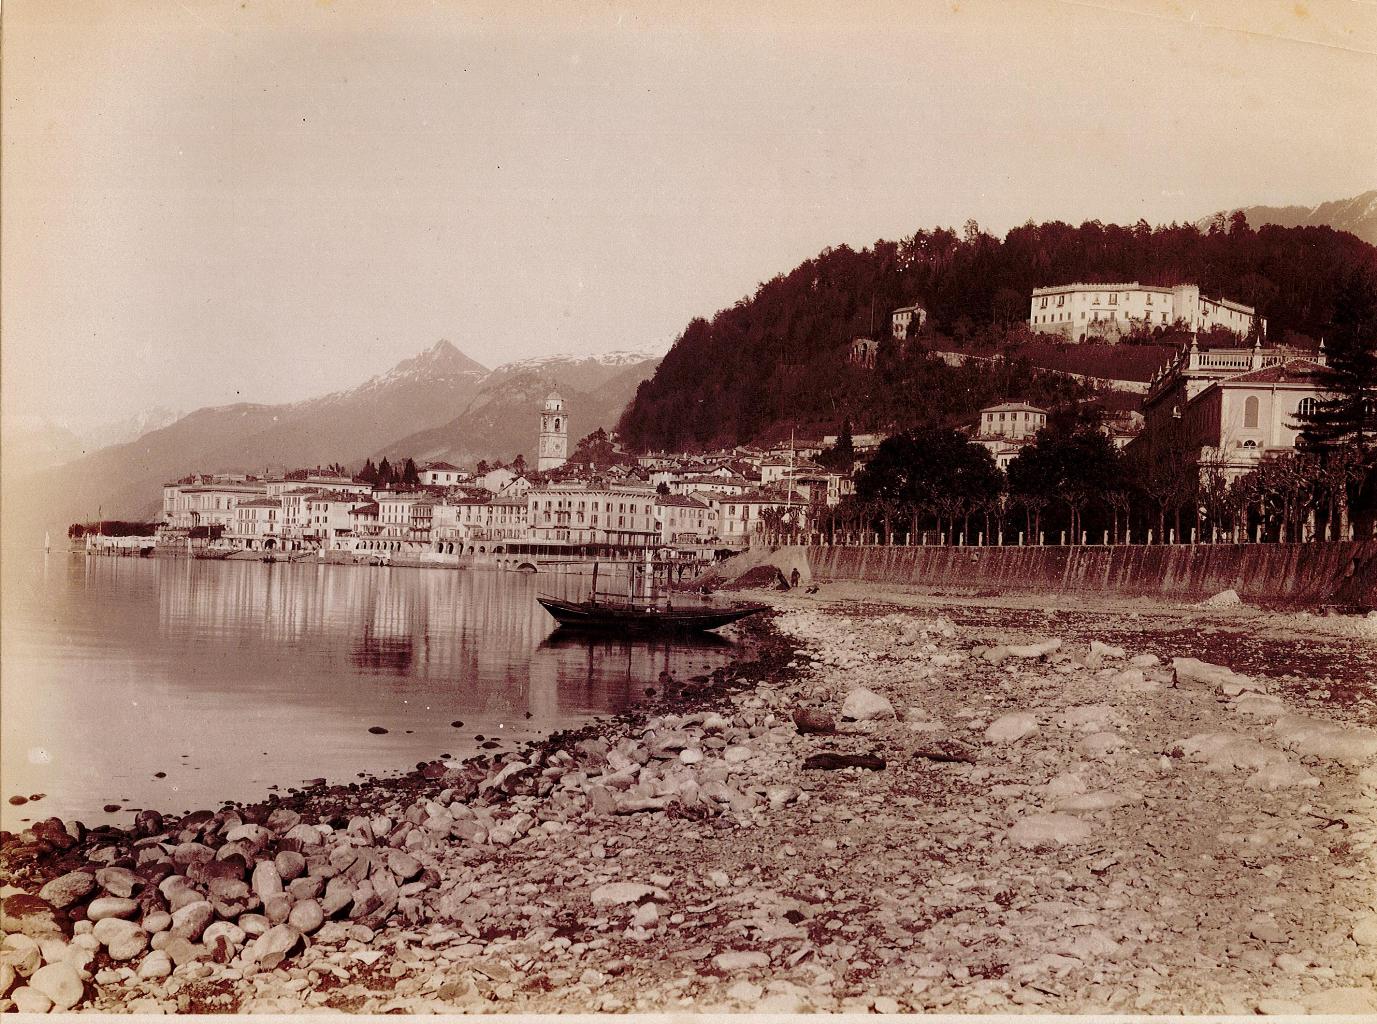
<point x="227" y="930"/>
<point x="111" y="906"/>
<point x="290" y="865"/>
<point x="30" y="1000"/>
<point x="118" y="881"/>
<point x="253" y="924"/>
<point x="22" y="953"/>
<point x="155" y="965"/>
<point x="277" y="907"/>
<point x="190" y="921"/>
<point x="183" y="951"/>
<point x="128" y="944"/>
<point x="158" y="921"/>
<point x="306" y="916"/>
<point x="266" y="881"/>
<point x="112" y="929"/>
<point x="60" y="983"/>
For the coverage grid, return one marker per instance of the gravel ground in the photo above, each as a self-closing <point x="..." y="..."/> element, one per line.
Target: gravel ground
<point x="1042" y="823"/>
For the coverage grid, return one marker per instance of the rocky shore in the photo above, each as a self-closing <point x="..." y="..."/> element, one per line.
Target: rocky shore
<point x="882" y="811"/>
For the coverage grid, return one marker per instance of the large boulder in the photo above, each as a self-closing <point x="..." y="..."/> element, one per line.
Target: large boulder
<point x="274" y="946"/>
<point x="617" y="893"/>
<point x="60" y="982"/>
<point x="862" y="705"/>
<point x="111" y="906"/>
<point x="30" y="915"/>
<point x="191" y="920"/>
<point x="1011" y="728"/>
<point x="64" y="890"/>
<point x="1216" y="677"/>
<point x="118" y="881"/>
<point x="1049" y="830"/>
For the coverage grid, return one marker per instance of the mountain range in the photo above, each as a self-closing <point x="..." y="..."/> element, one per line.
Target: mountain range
<point x="1357" y="216"/>
<point x="439" y="404"/>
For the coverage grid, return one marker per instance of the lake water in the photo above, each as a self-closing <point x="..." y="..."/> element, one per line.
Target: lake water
<point x="232" y="677"/>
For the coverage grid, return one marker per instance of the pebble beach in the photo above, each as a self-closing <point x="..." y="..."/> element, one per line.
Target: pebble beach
<point x="886" y="808"/>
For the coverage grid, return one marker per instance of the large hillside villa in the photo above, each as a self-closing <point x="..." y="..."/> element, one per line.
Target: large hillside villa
<point x="1078" y="312"/>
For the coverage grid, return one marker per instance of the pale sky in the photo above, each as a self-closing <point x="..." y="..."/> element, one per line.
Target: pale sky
<point x="207" y="202"/>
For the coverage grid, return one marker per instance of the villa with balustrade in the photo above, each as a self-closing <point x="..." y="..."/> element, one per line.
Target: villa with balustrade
<point x="1234" y="406"/>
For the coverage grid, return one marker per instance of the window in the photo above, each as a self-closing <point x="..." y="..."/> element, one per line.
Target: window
<point x="1250" y="413"/>
<point x="1114" y="299"/>
<point x="1043" y="304"/>
<point x="1306" y="407"/>
<point x="1061" y="300"/>
<point x="1149" y="298"/>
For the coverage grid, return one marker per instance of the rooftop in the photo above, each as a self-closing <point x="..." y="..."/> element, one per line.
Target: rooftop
<point x="1292" y="371"/>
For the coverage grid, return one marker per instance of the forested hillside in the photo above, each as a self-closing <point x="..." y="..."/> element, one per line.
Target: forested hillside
<point x="779" y="358"/>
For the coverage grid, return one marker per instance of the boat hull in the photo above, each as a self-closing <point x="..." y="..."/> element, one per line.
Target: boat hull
<point x="582" y="615"/>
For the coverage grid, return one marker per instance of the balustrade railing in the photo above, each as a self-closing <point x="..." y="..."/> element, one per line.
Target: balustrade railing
<point x="1189" y="537"/>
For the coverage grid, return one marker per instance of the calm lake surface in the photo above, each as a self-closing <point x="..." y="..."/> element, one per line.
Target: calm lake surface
<point x="234" y="677"/>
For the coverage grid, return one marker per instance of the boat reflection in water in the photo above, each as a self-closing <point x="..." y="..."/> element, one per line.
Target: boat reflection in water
<point x="591" y="659"/>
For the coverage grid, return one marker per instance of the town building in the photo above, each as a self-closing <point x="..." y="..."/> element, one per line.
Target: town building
<point x="553" y="449"/>
<point x="907" y="319"/>
<point x="608" y="516"/>
<point x="200" y="501"/>
<point x="328" y="517"/>
<point x="442" y="474"/>
<point x="394" y="512"/>
<point x="1080" y="311"/>
<point x="1012" y="420"/>
<point x="861" y="444"/>
<point x="684" y="519"/>
<point x="275" y="488"/>
<point x="1004" y="430"/>
<point x="258" y="524"/>
<point x="1231" y="408"/>
<point x="722" y="483"/>
<point x="495" y="479"/>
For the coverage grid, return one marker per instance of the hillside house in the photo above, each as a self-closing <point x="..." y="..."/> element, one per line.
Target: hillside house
<point x="906" y="320"/>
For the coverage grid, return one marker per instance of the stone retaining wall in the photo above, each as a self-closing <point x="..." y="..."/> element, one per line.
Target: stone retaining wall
<point x="1340" y="572"/>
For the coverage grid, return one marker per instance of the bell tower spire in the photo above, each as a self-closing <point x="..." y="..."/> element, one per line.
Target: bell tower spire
<point x="554" y="434"/>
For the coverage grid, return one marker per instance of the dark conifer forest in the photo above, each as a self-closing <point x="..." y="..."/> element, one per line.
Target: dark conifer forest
<point x="778" y="360"/>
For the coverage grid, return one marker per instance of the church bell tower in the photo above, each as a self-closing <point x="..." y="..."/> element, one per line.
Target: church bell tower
<point x="554" y="434"/>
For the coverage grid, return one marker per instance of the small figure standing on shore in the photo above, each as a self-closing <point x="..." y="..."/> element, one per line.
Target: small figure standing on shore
<point x="793" y="579"/>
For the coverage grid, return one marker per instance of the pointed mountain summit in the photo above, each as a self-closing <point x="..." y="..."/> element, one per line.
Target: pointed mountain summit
<point x="442" y="359"/>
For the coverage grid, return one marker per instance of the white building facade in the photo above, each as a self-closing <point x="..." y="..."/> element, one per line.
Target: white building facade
<point x="1080" y="311"/>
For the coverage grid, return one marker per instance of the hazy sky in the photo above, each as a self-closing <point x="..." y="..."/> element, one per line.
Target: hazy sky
<point x="206" y="202"/>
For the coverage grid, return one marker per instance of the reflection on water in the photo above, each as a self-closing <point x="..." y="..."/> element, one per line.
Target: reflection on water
<point x="234" y="676"/>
